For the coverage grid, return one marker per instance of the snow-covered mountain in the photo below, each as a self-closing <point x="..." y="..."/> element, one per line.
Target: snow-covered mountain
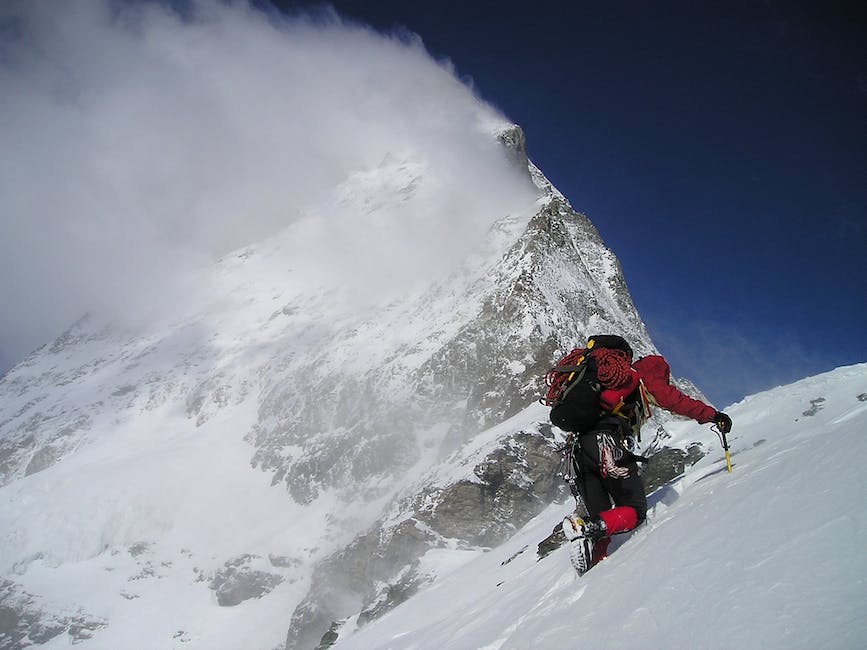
<point x="320" y="308"/>
<point x="286" y="458"/>
<point x="284" y="438"/>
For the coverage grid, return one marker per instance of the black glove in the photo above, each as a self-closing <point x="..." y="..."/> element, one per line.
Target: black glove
<point x="722" y="421"/>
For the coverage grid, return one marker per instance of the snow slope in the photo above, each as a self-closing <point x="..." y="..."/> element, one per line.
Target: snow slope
<point x="769" y="556"/>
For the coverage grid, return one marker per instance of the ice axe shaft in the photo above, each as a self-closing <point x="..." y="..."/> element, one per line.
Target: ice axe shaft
<point x="725" y="445"/>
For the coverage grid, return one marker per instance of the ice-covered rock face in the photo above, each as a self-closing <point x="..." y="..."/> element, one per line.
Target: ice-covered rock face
<point x="552" y="287"/>
<point x="454" y="360"/>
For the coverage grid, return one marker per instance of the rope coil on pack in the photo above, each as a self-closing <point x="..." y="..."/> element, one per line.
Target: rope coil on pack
<point x="613" y="368"/>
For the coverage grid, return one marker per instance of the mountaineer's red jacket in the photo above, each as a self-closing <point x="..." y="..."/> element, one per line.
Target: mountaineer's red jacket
<point x="656" y="374"/>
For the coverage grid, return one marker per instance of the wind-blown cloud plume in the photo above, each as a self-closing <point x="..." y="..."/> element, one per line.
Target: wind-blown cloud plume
<point x="138" y="143"/>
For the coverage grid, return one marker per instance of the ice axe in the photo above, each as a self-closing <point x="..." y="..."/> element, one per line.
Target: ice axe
<point x="725" y="446"/>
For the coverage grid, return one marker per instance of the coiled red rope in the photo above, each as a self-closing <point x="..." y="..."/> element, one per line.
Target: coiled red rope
<point x="613" y="369"/>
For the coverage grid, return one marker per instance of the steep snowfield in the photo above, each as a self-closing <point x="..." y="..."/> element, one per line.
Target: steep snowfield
<point x="133" y="531"/>
<point x="769" y="556"/>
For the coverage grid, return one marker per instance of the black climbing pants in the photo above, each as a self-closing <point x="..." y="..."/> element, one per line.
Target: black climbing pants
<point x="608" y="477"/>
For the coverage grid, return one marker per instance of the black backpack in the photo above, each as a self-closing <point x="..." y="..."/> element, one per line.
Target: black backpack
<point x="574" y="388"/>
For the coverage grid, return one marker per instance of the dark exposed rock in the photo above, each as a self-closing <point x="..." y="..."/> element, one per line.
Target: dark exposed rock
<point x="330" y="637"/>
<point x="344" y="583"/>
<point x="393" y="594"/>
<point x="516" y="145"/>
<point x="42" y="459"/>
<point x="238" y="581"/>
<point x="551" y="543"/>
<point x="139" y="548"/>
<point x="283" y="562"/>
<point x="816" y="405"/>
<point x="667" y="464"/>
<point x="516" y="481"/>
<point x="25" y="620"/>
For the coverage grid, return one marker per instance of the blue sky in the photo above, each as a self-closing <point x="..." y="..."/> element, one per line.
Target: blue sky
<point x="719" y="147"/>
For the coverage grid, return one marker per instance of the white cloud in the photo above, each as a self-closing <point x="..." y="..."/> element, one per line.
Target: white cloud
<point x="138" y="144"/>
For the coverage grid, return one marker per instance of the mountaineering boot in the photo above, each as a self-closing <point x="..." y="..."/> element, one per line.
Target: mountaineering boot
<point x="582" y="534"/>
<point x="592" y="528"/>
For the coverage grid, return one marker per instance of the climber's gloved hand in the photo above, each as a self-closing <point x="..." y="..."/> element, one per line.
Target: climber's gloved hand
<point x="722" y="421"/>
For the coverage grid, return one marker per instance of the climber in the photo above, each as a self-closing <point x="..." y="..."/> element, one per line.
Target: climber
<point x="619" y="394"/>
